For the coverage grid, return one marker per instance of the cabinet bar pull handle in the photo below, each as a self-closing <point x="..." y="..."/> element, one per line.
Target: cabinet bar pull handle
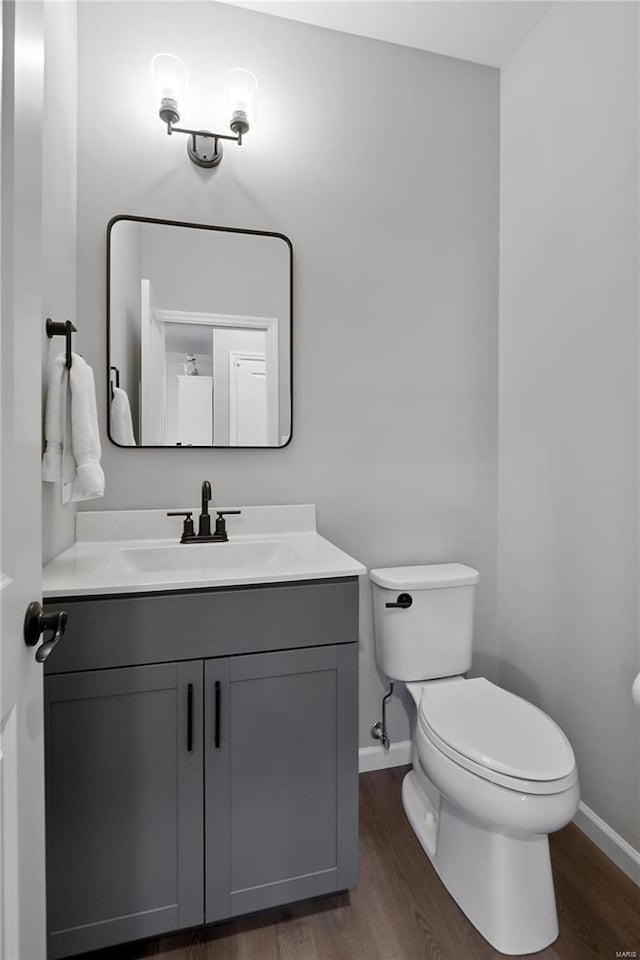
<point x="190" y="718"/>
<point x="217" y="716"/>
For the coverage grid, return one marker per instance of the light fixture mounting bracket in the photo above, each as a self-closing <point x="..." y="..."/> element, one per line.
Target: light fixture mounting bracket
<point x="204" y="147"/>
<point x="204" y="151"/>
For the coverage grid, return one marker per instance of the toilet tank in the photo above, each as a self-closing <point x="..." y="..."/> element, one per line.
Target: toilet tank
<point x="430" y="637"/>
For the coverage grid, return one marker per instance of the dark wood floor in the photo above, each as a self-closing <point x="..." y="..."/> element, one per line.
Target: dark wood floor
<point x="401" y="911"/>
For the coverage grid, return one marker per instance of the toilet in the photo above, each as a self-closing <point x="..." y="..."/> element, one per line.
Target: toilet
<point x="492" y="774"/>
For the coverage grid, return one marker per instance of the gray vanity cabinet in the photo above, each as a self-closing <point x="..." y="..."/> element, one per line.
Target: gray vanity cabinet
<point x="188" y="791"/>
<point x="280" y="768"/>
<point x="124" y="804"/>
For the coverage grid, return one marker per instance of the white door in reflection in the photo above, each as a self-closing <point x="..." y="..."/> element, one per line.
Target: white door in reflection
<point x="194" y="411"/>
<point x="247" y="400"/>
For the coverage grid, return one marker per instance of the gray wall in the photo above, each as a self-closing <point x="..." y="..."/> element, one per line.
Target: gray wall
<point x="381" y="164"/>
<point x="568" y="477"/>
<point x="204" y="271"/>
<point x="58" y="224"/>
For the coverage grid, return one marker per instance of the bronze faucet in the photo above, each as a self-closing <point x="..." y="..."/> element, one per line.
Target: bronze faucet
<point x="204" y="534"/>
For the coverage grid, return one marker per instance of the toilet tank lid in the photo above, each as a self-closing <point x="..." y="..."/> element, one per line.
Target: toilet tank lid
<point x="425" y="577"/>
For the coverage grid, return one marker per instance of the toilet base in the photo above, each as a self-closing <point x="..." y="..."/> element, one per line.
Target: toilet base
<point x="503" y="883"/>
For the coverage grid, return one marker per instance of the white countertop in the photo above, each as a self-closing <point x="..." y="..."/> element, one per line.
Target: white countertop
<point x="138" y="551"/>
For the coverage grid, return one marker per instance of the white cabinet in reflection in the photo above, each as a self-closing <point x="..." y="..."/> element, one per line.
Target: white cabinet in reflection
<point x="194" y="413"/>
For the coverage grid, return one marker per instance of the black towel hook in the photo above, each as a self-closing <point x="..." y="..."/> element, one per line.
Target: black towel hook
<point x="55" y="328"/>
<point x="116" y="378"/>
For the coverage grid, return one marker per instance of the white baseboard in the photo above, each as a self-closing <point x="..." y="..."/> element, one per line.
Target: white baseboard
<point x="377" y="758"/>
<point x="610" y="842"/>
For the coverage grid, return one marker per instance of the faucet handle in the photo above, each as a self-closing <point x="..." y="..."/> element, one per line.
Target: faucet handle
<point x="187" y="527"/>
<point x="221" y="527"/>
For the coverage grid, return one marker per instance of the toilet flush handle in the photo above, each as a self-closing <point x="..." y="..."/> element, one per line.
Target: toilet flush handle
<point x="404" y="601"/>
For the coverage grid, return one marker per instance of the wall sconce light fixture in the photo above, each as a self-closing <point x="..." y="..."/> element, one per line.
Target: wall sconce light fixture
<point x="170" y="80"/>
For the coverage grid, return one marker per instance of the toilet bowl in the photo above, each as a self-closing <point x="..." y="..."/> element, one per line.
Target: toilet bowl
<point x="492" y="774"/>
<point x="487" y="835"/>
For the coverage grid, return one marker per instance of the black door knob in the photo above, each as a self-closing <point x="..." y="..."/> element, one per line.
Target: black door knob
<point x="37" y="622"/>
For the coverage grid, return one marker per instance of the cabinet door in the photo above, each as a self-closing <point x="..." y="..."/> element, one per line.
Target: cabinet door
<point x="124" y="804"/>
<point x="281" y="778"/>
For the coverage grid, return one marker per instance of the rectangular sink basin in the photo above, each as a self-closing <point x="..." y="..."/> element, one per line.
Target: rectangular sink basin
<point x="200" y="557"/>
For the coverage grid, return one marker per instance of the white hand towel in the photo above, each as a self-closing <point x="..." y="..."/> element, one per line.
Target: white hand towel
<point x="72" y="452"/>
<point x="121" y="422"/>
<point x="85" y="437"/>
<point x="58" y="464"/>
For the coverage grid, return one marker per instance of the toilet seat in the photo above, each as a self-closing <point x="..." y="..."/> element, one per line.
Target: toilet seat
<point x="497" y="736"/>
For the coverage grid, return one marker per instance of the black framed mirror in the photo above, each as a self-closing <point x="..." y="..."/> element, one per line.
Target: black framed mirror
<point x="199" y="329"/>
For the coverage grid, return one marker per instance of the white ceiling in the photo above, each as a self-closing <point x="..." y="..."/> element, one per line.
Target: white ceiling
<point x="484" y="31"/>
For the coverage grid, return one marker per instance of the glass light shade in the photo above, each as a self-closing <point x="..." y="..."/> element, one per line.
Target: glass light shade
<point x="169" y="78"/>
<point x="240" y="93"/>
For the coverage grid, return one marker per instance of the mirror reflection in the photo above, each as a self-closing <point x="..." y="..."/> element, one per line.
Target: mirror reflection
<point x="199" y="335"/>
